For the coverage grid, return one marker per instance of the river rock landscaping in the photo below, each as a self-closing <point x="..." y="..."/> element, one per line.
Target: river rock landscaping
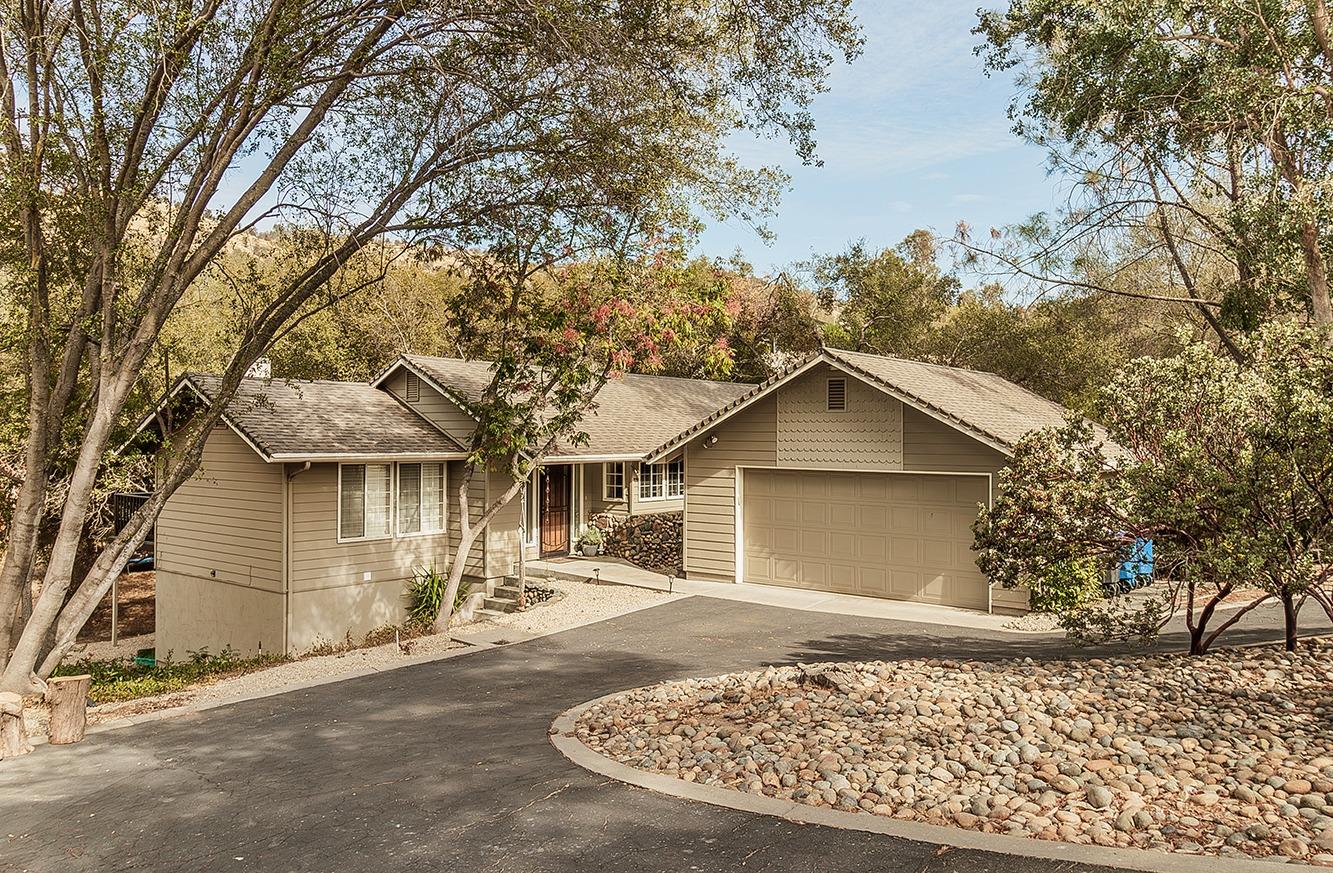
<point x="1227" y="754"/>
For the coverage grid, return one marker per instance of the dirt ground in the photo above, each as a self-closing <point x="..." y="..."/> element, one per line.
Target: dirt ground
<point x="136" y="609"/>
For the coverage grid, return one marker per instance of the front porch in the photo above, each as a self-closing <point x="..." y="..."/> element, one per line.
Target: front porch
<point x="564" y="497"/>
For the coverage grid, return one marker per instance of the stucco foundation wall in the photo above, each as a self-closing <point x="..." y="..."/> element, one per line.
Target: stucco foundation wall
<point x="332" y="615"/>
<point x="203" y="614"/>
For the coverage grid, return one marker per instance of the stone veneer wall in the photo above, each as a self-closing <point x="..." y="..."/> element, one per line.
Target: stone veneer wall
<point x="654" y="542"/>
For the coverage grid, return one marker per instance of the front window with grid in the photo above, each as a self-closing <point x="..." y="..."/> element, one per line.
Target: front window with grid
<point x="613" y="481"/>
<point x="364" y="500"/>
<point x="662" y="481"/>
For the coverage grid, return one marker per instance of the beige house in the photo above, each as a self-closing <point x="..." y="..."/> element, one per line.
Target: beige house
<point x="855" y="474"/>
<point x="316" y="501"/>
<point x="848" y="472"/>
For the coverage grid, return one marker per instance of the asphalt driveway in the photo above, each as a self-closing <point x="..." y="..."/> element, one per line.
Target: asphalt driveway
<point x="447" y="766"/>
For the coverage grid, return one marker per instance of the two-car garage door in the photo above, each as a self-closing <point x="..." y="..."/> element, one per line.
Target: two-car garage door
<point x="905" y="536"/>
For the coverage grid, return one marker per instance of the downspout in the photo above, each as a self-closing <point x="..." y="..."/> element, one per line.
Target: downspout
<point x="287" y="555"/>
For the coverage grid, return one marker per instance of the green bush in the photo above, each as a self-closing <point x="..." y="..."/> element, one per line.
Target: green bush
<point x="122" y="679"/>
<point x="425" y="595"/>
<point x="1067" y="586"/>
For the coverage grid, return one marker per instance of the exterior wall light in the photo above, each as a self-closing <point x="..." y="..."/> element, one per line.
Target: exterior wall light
<point x="710" y="441"/>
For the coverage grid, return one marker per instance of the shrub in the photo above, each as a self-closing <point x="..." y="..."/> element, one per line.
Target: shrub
<point x="1067" y="586"/>
<point x="425" y="595"/>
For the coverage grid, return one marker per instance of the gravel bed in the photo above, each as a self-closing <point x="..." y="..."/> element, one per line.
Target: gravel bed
<point x="582" y="603"/>
<point x="1229" y="754"/>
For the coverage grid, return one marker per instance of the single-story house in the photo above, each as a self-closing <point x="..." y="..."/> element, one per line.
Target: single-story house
<point x="846" y="472"/>
<point x="317" y="500"/>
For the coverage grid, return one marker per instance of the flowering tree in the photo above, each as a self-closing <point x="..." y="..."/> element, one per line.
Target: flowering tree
<point x="137" y="143"/>
<point x="1228" y="467"/>
<point x="556" y="333"/>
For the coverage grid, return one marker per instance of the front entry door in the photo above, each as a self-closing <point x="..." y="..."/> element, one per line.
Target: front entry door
<point x="555" y="502"/>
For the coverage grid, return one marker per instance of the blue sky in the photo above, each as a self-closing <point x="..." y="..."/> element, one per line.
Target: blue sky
<point x="912" y="135"/>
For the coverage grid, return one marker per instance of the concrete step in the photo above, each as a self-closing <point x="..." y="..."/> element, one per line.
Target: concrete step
<point x="500" y="604"/>
<point x="507" y="590"/>
<point x="492" y="613"/>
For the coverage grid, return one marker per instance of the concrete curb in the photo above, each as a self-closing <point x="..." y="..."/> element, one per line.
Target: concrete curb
<point x="563" y="738"/>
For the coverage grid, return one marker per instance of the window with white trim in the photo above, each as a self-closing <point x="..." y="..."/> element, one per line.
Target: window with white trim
<point x="662" y="481"/>
<point x="420" y="498"/>
<point x="364" y="501"/>
<point x="613" y="481"/>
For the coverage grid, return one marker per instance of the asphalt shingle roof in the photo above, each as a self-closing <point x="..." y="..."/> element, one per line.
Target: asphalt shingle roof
<point x="634" y="413"/>
<point x="976" y="400"/>
<point x="985" y="405"/>
<point x="289" y="419"/>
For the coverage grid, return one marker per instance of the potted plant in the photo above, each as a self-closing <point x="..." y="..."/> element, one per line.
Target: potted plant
<point x="591" y="542"/>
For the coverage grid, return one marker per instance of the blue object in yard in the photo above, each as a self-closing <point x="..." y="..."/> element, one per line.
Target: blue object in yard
<point x="139" y="564"/>
<point x="1136" y="569"/>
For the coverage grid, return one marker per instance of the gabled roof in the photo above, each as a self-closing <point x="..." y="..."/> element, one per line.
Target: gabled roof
<point x="987" y="407"/>
<point x="296" y="420"/>
<point x="634" y="413"/>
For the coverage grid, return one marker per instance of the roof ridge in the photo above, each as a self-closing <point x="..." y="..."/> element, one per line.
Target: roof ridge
<point x="356" y="382"/>
<point x="623" y="375"/>
<point x="901" y="359"/>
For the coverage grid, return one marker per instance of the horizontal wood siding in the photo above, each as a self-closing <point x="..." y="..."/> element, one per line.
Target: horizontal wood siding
<point x="502" y="534"/>
<point x="749" y="437"/>
<point x="434" y="406"/>
<point x="225" y="522"/>
<point x="319" y="561"/>
<point x="930" y="444"/>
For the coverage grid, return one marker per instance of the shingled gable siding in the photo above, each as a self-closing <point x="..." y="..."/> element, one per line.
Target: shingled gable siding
<point x="330" y="594"/>
<point x="219" y="555"/>
<point x="867" y="434"/>
<point x="434" y="406"/>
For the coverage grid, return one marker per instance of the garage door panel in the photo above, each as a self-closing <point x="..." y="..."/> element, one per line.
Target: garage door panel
<point x="873" y="581"/>
<point x="813" y="543"/>
<point x="842" y="578"/>
<point x="842" y="515"/>
<point x="902" y="536"/>
<point x="874" y="518"/>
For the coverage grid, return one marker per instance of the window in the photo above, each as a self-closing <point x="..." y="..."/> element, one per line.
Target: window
<point x="420" y="498"/>
<point x="413" y="387"/>
<point x="363" y="501"/>
<point x="837" y="395"/>
<point x="613" y="481"/>
<point x="662" y="481"/>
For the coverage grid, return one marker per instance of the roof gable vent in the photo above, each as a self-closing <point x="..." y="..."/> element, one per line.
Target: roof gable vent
<point x="413" y="387"/>
<point x="837" y="395"/>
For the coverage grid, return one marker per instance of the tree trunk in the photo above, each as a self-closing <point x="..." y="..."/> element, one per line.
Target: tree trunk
<point x="1290" y="617"/>
<point x="13" y="734"/>
<point x="468" y="534"/>
<point x="68" y="698"/>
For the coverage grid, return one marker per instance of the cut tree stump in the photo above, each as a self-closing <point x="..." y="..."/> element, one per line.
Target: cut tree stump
<point x="68" y="698"/>
<point x="13" y="735"/>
